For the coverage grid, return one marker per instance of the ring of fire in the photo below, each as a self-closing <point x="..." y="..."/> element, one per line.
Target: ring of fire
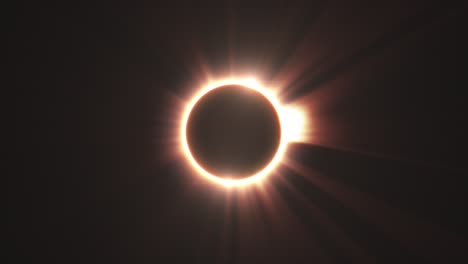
<point x="261" y="174"/>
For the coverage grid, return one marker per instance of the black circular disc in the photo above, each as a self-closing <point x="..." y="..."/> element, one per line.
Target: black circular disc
<point x="233" y="131"/>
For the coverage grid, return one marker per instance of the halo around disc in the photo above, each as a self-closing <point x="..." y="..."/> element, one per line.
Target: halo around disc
<point x="267" y="169"/>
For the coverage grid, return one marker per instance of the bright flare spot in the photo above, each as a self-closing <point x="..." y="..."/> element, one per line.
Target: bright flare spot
<point x="292" y="122"/>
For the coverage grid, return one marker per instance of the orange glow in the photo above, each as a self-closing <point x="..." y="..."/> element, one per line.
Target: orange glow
<point x="291" y="123"/>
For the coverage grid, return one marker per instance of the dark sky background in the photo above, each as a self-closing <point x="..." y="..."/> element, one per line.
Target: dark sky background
<point x="93" y="182"/>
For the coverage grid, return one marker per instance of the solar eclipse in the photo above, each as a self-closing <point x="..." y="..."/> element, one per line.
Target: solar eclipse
<point x="234" y="132"/>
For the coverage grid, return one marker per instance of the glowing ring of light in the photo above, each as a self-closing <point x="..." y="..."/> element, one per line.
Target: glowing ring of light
<point x="257" y="177"/>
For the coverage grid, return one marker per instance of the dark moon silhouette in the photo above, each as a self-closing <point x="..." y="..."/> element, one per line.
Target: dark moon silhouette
<point x="233" y="132"/>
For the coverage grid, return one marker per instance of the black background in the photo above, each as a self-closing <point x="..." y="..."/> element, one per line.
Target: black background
<point x="92" y="181"/>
